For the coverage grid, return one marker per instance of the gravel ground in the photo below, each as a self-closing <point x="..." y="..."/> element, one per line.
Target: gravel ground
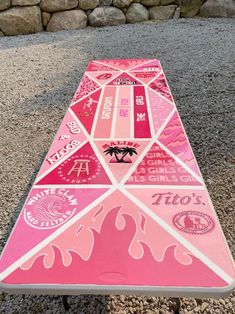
<point x="39" y="75"/>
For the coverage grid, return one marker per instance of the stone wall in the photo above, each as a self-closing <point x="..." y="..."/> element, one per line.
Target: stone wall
<point x="32" y="16"/>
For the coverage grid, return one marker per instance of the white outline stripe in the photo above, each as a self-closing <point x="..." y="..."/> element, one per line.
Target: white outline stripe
<point x="45" y="173"/>
<point x="124" y="189"/>
<point x="143" y="83"/>
<point x="167" y="100"/>
<point x="135" y="78"/>
<point x="132" y="114"/>
<point x="75" y="289"/>
<point x="113" y="78"/>
<point x="51" y="237"/>
<point x="168" y="87"/>
<point x="188" y="142"/>
<point x="196" y="252"/>
<point x="103" y="163"/>
<point x="83" y="97"/>
<point x="164" y="124"/>
<point x="100" y="62"/>
<point x="86" y="134"/>
<point x="74" y="186"/>
<point x="115" y="113"/>
<point x="116" y="139"/>
<point x="81" y="126"/>
<point x="145" y="150"/>
<point x="136" y="66"/>
<point x="99" y="106"/>
<point x="129" y="73"/>
<point x="94" y="80"/>
<point x="136" y="163"/>
<point x="179" y="161"/>
<point x="151" y="126"/>
<point x="154" y="186"/>
<point x="154" y="78"/>
<point x="126" y="70"/>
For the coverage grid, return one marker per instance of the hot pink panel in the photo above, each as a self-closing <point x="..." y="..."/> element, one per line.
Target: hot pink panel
<point x="68" y="138"/>
<point x="141" y="118"/>
<point x="160" y="86"/>
<point x="86" y="87"/>
<point x="85" y="109"/>
<point x="67" y="171"/>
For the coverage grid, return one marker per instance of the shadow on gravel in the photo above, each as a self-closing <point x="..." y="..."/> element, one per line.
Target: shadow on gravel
<point x="37" y="113"/>
<point x="34" y="40"/>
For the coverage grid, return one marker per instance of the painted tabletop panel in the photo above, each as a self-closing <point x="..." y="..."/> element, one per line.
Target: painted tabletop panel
<point x="119" y="204"/>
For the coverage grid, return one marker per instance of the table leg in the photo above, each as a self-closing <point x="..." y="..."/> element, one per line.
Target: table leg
<point x="177" y="305"/>
<point x="65" y="303"/>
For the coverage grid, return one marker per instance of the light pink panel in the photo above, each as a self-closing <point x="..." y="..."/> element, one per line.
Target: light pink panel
<point x="124" y="112"/>
<point x="104" y="123"/>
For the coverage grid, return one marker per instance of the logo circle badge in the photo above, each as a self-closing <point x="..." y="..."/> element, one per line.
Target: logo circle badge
<point x="48" y="211"/>
<point x="193" y="222"/>
<point x="80" y="169"/>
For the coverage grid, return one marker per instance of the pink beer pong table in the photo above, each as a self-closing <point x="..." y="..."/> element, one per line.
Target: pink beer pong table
<point x="119" y="204"/>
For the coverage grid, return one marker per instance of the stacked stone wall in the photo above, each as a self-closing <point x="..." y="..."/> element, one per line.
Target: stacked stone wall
<point x="19" y="17"/>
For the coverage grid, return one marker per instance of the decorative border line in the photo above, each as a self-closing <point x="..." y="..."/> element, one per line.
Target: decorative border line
<point x="120" y="186"/>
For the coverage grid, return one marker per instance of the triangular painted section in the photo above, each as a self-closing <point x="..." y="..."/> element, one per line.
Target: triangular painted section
<point x="86" y="86"/>
<point x="44" y="211"/>
<point x="95" y="66"/>
<point x="107" y="150"/>
<point x="120" y="240"/>
<point x="144" y="77"/>
<point x="152" y="66"/>
<point x="67" y="139"/>
<point x="160" y="86"/>
<point x="190" y="213"/>
<point x="160" y="109"/>
<point x="175" y="139"/>
<point x="83" y="167"/>
<point x="109" y="210"/>
<point x="124" y="64"/>
<point x="104" y="76"/>
<point x="141" y="115"/>
<point x="85" y="109"/>
<point x="124" y="79"/>
<point x="159" y="168"/>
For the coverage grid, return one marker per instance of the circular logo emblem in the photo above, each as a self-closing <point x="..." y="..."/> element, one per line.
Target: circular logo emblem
<point x="193" y="222"/>
<point x="49" y="211"/>
<point x="80" y="169"/>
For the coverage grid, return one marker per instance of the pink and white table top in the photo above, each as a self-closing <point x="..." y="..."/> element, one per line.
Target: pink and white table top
<point x="119" y="205"/>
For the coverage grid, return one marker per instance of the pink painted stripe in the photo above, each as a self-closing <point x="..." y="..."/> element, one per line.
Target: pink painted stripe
<point x="122" y="129"/>
<point x="141" y="120"/>
<point x="104" y="122"/>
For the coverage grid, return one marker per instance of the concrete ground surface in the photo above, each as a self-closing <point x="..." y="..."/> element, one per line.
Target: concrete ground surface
<point x="38" y="77"/>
